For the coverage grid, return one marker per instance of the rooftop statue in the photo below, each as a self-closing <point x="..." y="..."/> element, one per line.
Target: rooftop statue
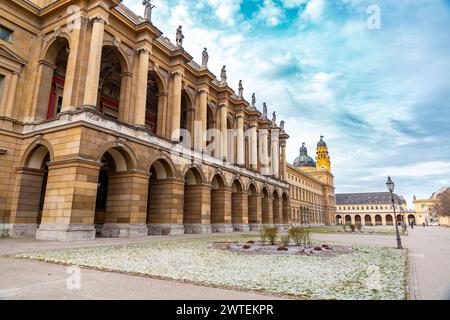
<point x="205" y="58"/>
<point x="223" y="75"/>
<point x="253" y="101"/>
<point x="179" y="37"/>
<point x="148" y="9"/>
<point x="241" y="90"/>
<point x="264" y="111"/>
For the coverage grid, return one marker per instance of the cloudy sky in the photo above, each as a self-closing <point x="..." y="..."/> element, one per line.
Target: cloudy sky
<point x="381" y="97"/>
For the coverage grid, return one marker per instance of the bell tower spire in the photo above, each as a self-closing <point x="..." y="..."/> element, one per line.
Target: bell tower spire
<point x="323" y="158"/>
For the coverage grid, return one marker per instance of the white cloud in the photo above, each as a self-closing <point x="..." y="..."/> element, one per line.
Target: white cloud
<point x="313" y="11"/>
<point x="270" y="13"/>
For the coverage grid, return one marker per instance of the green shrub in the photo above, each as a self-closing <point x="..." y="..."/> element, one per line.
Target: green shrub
<point x="271" y="235"/>
<point x="359" y="227"/>
<point x="285" y="239"/>
<point x="352" y="227"/>
<point x="297" y="234"/>
<point x="263" y="235"/>
<point x="344" y="227"/>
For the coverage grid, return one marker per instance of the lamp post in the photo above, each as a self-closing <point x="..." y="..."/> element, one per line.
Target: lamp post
<point x="390" y="185"/>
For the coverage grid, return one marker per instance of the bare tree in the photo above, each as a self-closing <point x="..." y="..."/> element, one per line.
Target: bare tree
<point x="443" y="203"/>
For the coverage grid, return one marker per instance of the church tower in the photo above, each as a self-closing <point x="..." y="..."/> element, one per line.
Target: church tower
<point x="323" y="162"/>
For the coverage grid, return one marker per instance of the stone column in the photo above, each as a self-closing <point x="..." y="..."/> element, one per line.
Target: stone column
<point x="240" y="140"/>
<point x="165" y="207"/>
<point x="11" y="95"/>
<point x="162" y="114"/>
<point x="24" y="218"/>
<point x="221" y="210"/>
<point x="69" y="207"/>
<point x="283" y="160"/>
<point x="275" y="151"/>
<point x="264" y="151"/>
<point x="239" y="214"/>
<point x="125" y="114"/>
<point x="176" y="106"/>
<point x="255" y="212"/>
<point x="197" y="209"/>
<point x="126" y="207"/>
<point x="142" y="79"/>
<point x="253" y="147"/>
<point x="203" y="115"/>
<point x="223" y="130"/>
<point x="94" y="62"/>
<point x="267" y="211"/>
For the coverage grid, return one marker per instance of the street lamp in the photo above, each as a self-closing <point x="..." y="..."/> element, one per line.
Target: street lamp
<point x="390" y="185"/>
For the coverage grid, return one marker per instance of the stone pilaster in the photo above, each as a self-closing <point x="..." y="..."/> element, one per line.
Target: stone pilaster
<point x="94" y="62"/>
<point x="69" y="207"/>
<point x="267" y="211"/>
<point x="126" y="206"/>
<point x="239" y="214"/>
<point x="165" y="207"/>
<point x="142" y="79"/>
<point x="240" y="146"/>
<point x="25" y="213"/>
<point x="197" y="209"/>
<point x="175" y="116"/>
<point x="11" y="95"/>
<point x="254" y="212"/>
<point x="221" y="210"/>
<point x="223" y="129"/>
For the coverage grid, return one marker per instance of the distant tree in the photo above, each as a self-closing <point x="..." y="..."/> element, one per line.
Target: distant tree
<point x="443" y="203"/>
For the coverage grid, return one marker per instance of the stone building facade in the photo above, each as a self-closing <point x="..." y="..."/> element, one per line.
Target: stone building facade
<point x="312" y="188"/>
<point x="425" y="209"/>
<point x="105" y="130"/>
<point x="371" y="209"/>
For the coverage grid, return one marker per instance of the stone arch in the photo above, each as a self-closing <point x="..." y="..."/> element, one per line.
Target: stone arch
<point x="348" y="219"/>
<point x="186" y="112"/>
<point x="277" y="207"/>
<point x="239" y="206"/>
<point x="254" y="215"/>
<point x="198" y="174"/>
<point x="126" y="63"/>
<point x="155" y="103"/>
<point x="389" y="220"/>
<point x="52" y="73"/>
<point x="29" y="196"/>
<point x="123" y="155"/>
<point x="112" y="81"/>
<point x="266" y="206"/>
<point x="220" y="200"/>
<point x="160" y="194"/>
<point x="368" y="220"/>
<point x="378" y="220"/>
<point x="29" y="153"/>
<point x="338" y="219"/>
<point x="412" y="219"/>
<point x="161" y="168"/>
<point x="286" y="207"/>
<point x="196" y="202"/>
<point x="358" y="219"/>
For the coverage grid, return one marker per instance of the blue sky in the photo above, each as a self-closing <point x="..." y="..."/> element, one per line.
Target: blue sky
<point x="380" y="97"/>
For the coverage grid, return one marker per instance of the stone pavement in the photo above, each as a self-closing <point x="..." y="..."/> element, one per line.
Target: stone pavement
<point x="24" y="279"/>
<point x="429" y="256"/>
<point x="429" y="252"/>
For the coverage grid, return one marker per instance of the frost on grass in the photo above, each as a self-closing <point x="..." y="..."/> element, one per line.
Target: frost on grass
<point x="366" y="273"/>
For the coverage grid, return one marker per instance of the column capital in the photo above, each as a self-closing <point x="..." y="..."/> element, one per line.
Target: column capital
<point x="144" y="50"/>
<point x="99" y="19"/>
<point x="203" y="91"/>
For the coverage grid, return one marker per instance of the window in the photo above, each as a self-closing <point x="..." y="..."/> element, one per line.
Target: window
<point x="5" y="33"/>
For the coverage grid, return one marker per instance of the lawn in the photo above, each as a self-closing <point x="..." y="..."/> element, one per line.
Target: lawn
<point x="387" y="231"/>
<point x="366" y="273"/>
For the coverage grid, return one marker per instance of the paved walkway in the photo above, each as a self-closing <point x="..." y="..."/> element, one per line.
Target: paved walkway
<point x="24" y="279"/>
<point x="429" y="251"/>
<point x="429" y="256"/>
